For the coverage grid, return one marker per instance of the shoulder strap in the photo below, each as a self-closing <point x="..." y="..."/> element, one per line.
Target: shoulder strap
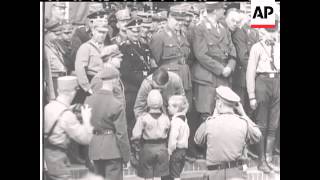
<point x="54" y="125"/>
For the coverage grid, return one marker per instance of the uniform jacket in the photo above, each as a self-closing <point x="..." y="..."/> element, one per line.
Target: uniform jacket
<point x="243" y="39"/>
<point x="174" y="87"/>
<point x="108" y="113"/>
<point x="172" y="53"/>
<point x="225" y="137"/>
<point x="135" y="66"/>
<point x="88" y="62"/>
<point x="213" y="51"/>
<point x="55" y="58"/>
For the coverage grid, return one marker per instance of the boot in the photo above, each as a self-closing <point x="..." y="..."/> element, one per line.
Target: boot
<point x="269" y="157"/>
<point x="262" y="158"/>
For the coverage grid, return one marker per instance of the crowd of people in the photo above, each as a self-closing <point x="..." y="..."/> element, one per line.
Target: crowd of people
<point x="153" y="88"/>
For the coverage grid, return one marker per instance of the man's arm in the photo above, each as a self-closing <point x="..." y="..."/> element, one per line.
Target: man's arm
<point x="156" y="47"/>
<point x="120" y="124"/>
<point x="140" y="104"/>
<point x="82" y="60"/>
<point x="200" y="135"/>
<point x="251" y="70"/>
<point x="240" y="44"/>
<point x="200" y="49"/>
<point x="81" y="133"/>
<point x="174" y="133"/>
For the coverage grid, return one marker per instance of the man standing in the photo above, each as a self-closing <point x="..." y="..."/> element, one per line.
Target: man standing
<point x="215" y="59"/>
<point x="243" y="37"/>
<point x="109" y="148"/>
<point x="171" y="48"/>
<point x="168" y="83"/>
<point x="263" y="85"/>
<point x="134" y="68"/>
<point x="61" y="125"/>
<point x="88" y="61"/>
<point x="225" y="134"/>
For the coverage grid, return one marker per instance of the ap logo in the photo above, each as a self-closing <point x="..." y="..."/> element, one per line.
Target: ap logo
<point x="263" y="13"/>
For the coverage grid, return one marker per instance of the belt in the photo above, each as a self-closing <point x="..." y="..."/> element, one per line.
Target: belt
<point x="154" y="141"/>
<point x="269" y="75"/>
<point x="58" y="74"/>
<point x="225" y="165"/>
<point x="103" y="132"/>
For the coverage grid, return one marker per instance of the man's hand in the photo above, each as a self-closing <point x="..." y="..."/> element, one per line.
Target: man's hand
<point x="240" y="109"/>
<point x="226" y="71"/>
<point x="86" y="113"/>
<point x="90" y="91"/>
<point x="253" y="104"/>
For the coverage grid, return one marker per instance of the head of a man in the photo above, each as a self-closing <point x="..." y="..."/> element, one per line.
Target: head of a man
<point x="99" y="31"/>
<point x="58" y="10"/>
<point x="160" y="79"/>
<point x="226" y="100"/>
<point x="233" y="19"/>
<point x="110" y="77"/>
<point x="123" y="17"/>
<point x="66" y="32"/>
<point x="215" y="10"/>
<point x="176" y="18"/>
<point x="133" y="29"/>
<point x="178" y="104"/>
<point x="67" y="87"/>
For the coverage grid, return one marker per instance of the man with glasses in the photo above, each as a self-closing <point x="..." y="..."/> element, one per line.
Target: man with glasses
<point x="168" y="83"/>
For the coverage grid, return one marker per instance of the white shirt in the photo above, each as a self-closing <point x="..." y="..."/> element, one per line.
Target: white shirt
<point x="179" y="133"/>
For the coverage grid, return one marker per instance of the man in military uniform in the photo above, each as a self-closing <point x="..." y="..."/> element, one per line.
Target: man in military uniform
<point x="134" y="68"/>
<point x="215" y="58"/>
<point x="88" y="61"/>
<point x="61" y="125"/>
<point x="56" y="66"/>
<point x="225" y="134"/>
<point x="123" y="17"/>
<point x="159" y="20"/>
<point x="84" y="33"/>
<point x="263" y="86"/>
<point x="109" y="148"/>
<point x="169" y="83"/>
<point x="171" y="48"/>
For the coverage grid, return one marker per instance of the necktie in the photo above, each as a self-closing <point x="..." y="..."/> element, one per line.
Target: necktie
<point x="273" y="67"/>
<point x="218" y="29"/>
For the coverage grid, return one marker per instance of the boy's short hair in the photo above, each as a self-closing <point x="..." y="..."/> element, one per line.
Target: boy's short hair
<point x="180" y="101"/>
<point x="160" y="76"/>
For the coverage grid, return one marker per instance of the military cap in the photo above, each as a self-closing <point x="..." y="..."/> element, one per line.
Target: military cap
<point x="178" y="12"/>
<point x="100" y="25"/>
<point x="110" y="51"/>
<point x="67" y="83"/>
<point x="134" y="24"/>
<point x="59" y="4"/>
<point x="66" y="27"/>
<point x="108" y="73"/>
<point x="94" y="7"/>
<point x="123" y="14"/>
<point x="227" y="95"/>
<point x="97" y="14"/>
<point x="160" y="16"/>
<point x="154" y="101"/>
<point x="146" y="18"/>
<point x="53" y="25"/>
<point x="210" y="6"/>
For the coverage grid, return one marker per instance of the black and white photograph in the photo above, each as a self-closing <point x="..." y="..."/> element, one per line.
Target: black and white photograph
<point x="159" y="90"/>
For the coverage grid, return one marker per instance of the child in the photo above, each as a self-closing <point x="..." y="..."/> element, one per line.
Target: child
<point x="152" y="129"/>
<point x="179" y="134"/>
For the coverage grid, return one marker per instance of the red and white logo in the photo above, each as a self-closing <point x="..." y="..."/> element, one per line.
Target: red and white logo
<point x="263" y="13"/>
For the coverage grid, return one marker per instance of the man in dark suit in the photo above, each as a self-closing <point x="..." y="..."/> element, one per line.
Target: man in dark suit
<point x="134" y="68"/>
